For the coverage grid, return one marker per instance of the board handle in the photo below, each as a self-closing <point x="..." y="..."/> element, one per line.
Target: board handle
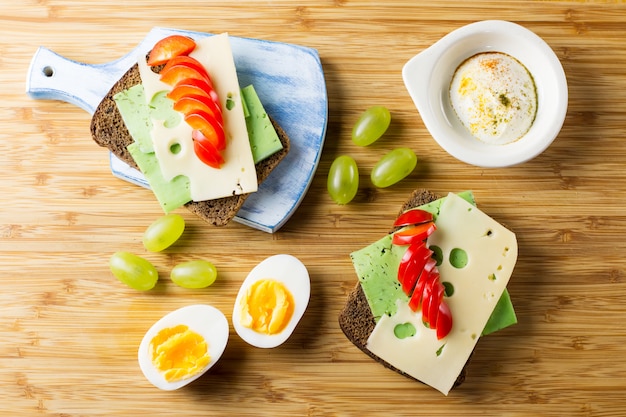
<point x="53" y="77"/>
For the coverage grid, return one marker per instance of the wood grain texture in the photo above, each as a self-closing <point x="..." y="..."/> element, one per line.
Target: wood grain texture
<point x="69" y="331"/>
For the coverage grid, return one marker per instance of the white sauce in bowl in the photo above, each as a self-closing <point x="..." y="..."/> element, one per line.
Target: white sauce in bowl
<point x="495" y="97"/>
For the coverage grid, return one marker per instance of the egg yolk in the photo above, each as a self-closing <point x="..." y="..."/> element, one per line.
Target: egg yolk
<point x="179" y="353"/>
<point x="267" y="307"/>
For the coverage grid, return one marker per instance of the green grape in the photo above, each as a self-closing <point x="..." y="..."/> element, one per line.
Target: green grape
<point x="393" y="167"/>
<point x="343" y="179"/>
<point x="372" y="124"/>
<point x="194" y="274"/>
<point x="163" y="232"/>
<point x="133" y="270"/>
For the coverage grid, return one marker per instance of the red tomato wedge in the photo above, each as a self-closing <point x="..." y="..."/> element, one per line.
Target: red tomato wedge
<point x="170" y="47"/>
<point x="426" y="300"/>
<point x="416" y="298"/>
<point x="193" y="87"/>
<point x="418" y="274"/>
<point x="444" y="320"/>
<point x="436" y="297"/>
<point x="187" y="61"/>
<point x="205" y="151"/>
<point x="413" y="234"/>
<point x="415" y="266"/>
<point x="425" y="276"/>
<point x="178" y="73"/>
<point x="407" y="259"/>
<point x="210" y="128"/>
<point x="415" y="216"/>
<point x="192" y="103"/>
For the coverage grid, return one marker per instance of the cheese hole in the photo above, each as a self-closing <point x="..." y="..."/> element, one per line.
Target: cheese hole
<point x="458" y="258"/>
<point x="230" y="102"/>
<point x="161" y="109"/>
<point x="440" y="350"/>
<point x="437" y="254"/>
<point x="404" y="330"/>
<point x="175" y="148"/>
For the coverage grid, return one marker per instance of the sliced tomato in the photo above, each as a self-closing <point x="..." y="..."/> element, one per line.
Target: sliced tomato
<point x="407" y="259"/>
<point x="436" y="296"/>
<point x="193" y="87"/>
<point x="192" y="103"/>
<point x="424" y="277"/>
<point x="430" y="279"/>
<point x="444" y="320"/>
<point x="209" y="127"/>
<point x="416" y="298"/>
<point x="205" y="150"/>
<point x="178" y="73"/>
<point x="414" y="216"/>
<point x="188" y="61"/>
<point x="426" y="300"/>
<point x="415" y="267"/>
<point x="413" y="234"/>
<point x="170" y="47"/>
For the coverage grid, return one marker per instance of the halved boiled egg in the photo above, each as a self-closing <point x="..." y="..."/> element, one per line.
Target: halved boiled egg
<point x="271" y="301"/>
<point x="183" y="345"/>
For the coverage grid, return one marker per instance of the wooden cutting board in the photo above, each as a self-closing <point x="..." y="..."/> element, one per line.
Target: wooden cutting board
<point x="69" y="331"/>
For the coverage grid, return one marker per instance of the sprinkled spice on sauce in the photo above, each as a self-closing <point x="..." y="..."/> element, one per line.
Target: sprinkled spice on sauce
<point x="495" y="97"/>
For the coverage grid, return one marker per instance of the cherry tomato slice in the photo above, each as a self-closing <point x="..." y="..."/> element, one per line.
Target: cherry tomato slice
<point x="193" y="103"/>
<point x="415" y="216"/>
<point x="177" y="73"/>
<point x="205" y="150"/>
<point x="413" y="234"/>
<point x="436" y="296"/>
<point x="209" y="127"/>
<point x="407" y="259"/>
<point x="426" y="300"/>
<point x="415" y="267"/>
<point x="190" y="62"/>
<point x="192" y="87"/>
<point x="415" y="300"/>
<point x="170" y="47"/>
<point x="418" y="292"/>
<point x="444" y="320"/>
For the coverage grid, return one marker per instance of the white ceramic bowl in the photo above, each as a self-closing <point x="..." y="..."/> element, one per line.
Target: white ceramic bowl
<point x="427" y="77"/>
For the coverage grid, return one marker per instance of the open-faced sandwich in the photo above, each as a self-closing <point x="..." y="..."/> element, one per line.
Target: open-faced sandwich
<point x="431" y="288"/>
<point x="180" y="116"/>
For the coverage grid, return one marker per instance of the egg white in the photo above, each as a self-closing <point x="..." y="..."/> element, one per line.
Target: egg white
<point x="292" y="273"/>
<point x="497" y="102"/>
<point x="206" y="320"/>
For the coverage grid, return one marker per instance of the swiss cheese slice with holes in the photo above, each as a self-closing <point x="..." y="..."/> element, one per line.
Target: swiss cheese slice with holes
<point x="478" y="258"/>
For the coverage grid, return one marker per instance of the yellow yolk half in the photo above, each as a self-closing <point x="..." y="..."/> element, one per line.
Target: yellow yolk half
<point x="267" y="307"/>
<point x="179" y="352"/>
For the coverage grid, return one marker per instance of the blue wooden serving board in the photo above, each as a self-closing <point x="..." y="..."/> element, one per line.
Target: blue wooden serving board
<point x="288" y="78"/>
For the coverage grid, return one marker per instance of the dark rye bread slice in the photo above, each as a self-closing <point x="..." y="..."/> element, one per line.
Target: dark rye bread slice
<point x="356" y="319"/>
<point x="108" y="130"/>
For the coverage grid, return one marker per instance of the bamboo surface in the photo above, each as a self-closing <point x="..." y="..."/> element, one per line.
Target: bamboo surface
<point x="69" y="331"/>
